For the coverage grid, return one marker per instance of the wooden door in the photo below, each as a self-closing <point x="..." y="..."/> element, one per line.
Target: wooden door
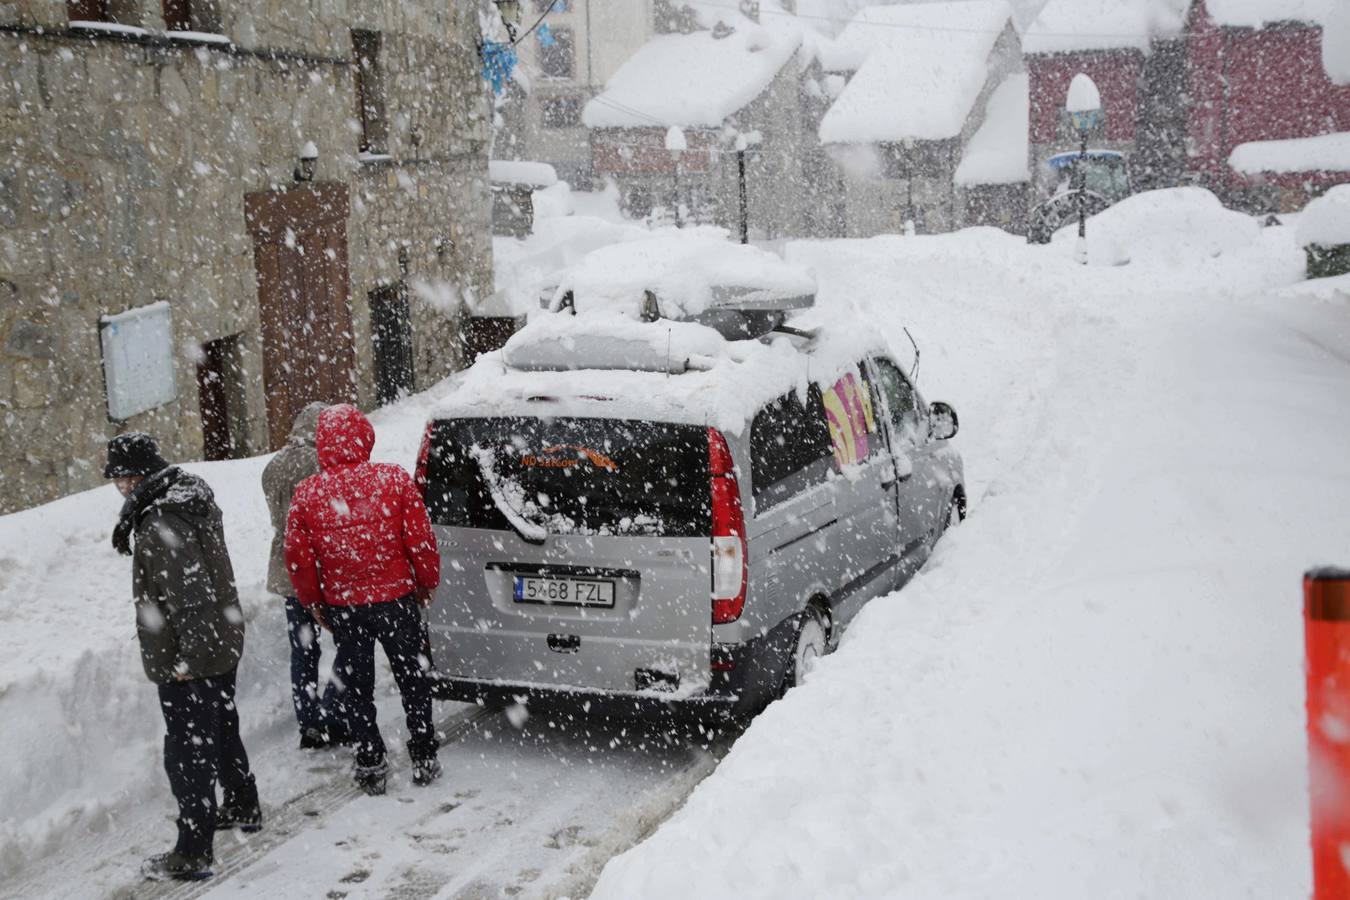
<point x="216" y="374"/>
<point x="300" y="253"/>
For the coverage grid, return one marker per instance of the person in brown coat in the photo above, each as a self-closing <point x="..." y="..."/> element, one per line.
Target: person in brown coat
<point x="320" y="719"/>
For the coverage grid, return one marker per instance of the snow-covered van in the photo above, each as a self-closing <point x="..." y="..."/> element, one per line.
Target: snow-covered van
<point x="669" y="496"/>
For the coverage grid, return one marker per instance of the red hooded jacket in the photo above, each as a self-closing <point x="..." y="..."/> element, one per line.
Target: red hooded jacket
<point x="358" y="532"/>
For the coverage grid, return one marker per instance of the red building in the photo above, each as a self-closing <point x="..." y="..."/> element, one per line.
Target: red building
<point x="1185" y="83"/>
<point x="1257" y="80"/>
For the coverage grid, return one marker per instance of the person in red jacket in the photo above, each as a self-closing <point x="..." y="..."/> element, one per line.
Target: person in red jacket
<point x="362" y="557"/>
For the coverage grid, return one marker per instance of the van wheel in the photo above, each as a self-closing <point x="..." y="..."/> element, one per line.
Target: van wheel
<point x="956" y="511"/>
<point x="811" y="646"/>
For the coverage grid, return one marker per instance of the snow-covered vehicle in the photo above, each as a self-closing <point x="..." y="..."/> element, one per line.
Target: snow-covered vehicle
<point x="1106" y="181"/>
<point x="665" y="497"/>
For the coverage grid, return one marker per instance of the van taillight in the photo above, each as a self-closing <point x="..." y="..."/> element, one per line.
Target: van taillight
<point x="729" y="564"/>
<point x="420" y="476"/>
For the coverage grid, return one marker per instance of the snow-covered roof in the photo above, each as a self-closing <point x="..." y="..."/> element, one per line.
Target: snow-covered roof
<point x="921" y="74"/>
<point x="1324" y="153"/>
<point x="1066" y="26"/>
<point x="1256" y="13"/>
<point x="692" y="80"/>
<point x="997" y="152"/>
<point x="1326" y="220"/>
<point x="529" y="174"/>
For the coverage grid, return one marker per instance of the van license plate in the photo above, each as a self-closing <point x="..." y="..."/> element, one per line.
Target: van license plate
<point x="564" y="591"/>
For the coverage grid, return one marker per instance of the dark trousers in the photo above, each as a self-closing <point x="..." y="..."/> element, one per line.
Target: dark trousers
<point x="201" y="744"/>
<point x="397" y="626"/>
<point x="311" y="711"/>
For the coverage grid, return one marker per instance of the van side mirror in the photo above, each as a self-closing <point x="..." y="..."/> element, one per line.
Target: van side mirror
<point x="942" y="421"/>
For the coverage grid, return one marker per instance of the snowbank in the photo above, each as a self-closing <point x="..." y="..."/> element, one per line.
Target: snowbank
<point x="1326" y="220"/>
<point x="82" y="725"/>
<point x="1173" y="228"/>
<point x="922" y="80"/>
<point x="1094" y="688"/>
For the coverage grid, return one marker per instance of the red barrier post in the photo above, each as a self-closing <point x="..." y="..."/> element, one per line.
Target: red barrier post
<point x="1326" y="618"/>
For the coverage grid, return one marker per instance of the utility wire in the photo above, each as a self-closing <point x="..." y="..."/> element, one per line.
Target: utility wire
<point x="537" y="22"/>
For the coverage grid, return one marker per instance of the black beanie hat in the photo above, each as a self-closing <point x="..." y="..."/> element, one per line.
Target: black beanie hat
<point x="133" y="453"/>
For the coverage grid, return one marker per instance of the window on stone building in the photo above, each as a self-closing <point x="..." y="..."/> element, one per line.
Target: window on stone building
<point x="558" y="59"/>
<point x="561" y="112"/>
<point x="369" y="83"/>
<point x="177" y="15"/>
<point x="88" y="11"/>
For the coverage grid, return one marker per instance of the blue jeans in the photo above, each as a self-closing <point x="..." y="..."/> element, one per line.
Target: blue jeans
<point x="310" y="710"/>
<point x="397" y="627"/>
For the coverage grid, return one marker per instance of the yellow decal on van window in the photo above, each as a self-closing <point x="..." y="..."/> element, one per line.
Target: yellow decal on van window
<point x="848" y="410"/>
<point x="556" y="458"/>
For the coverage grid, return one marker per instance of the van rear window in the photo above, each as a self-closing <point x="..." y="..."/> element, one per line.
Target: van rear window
<point x="570" y="476"/>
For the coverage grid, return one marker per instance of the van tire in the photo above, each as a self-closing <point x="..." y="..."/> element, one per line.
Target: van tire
<point x="811" y="644"/>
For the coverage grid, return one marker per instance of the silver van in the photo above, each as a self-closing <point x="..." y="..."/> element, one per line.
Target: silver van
<point x="681" y="536"/>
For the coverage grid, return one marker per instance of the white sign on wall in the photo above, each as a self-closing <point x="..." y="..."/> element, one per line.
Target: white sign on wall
<point x="138" y="359"/>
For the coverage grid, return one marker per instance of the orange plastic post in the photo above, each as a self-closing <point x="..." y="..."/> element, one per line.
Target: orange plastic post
<point x="1326" y="616"/>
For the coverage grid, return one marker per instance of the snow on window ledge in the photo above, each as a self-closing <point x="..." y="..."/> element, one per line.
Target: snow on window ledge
<point x="365" y="157"/>
<point x="197" y="37"/>
<point x="108" y="28"/>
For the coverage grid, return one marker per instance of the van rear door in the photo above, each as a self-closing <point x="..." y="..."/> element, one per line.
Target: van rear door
<point x="575" y="553"/>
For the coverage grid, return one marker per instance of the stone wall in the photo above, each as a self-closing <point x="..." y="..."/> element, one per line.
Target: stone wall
<point x="123" y="169"/>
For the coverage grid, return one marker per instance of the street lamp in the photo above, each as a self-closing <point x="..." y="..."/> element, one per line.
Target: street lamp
<point x="1084" y="105"/>
<point x="744" y="141"/>
<point x="676" y="144"/>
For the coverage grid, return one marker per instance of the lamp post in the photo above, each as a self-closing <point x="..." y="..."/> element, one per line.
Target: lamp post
<point x="1084" y="105"/>
<point x="676" y="144"/>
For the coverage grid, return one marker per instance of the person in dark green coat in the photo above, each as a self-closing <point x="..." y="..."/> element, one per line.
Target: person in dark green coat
<point x="191" y="632"/>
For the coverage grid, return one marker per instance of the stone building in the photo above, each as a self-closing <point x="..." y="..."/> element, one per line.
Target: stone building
<point x="212" y="213"/>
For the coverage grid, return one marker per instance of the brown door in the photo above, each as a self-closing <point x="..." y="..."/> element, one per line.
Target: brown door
<point x="218" y="386"/>
<point x="300" y="252"/>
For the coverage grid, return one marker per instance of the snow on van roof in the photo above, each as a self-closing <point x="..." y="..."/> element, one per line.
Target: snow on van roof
<point x="692" y="80"/>
<point x="921" y="80"/>
<point x="1068" y="26"/>
<point x="735" y="378"/>
<point x="521" y="172"/>
<point x="687" y="269"/>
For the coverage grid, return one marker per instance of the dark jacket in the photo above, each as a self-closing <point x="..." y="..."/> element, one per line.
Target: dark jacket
<point x="187" y="608"/>
<point x="358" y="532"/>
<point x="293" y="464"/>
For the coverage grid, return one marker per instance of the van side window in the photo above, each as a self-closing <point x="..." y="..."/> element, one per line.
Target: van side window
<point x="901" y="402"/>
<point x="786" y="439"/>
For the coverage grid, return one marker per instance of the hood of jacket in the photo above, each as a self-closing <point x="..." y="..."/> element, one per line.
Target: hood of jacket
<point x="344" y="437"/>
<point x="305" y="425"/>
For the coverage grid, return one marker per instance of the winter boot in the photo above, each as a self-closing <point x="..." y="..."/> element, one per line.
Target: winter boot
<point x="425" y="771"/>
<point x="247" y="817"/>
<point x="314" y="739"/>
<point x="372" y="779"/>
<point x="175" y="865"/>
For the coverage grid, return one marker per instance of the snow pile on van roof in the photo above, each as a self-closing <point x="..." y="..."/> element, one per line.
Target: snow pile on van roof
<point x="728" y="383"/>
<point x="686" y="269"/>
